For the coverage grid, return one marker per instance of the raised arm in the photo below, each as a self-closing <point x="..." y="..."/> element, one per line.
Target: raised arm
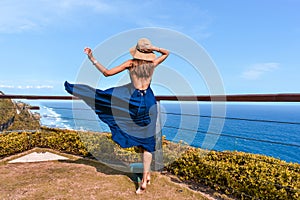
<point x="162" y="57"/>
<point x="102" y="69"/>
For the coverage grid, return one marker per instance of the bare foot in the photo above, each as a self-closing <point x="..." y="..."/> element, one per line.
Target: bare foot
<point x="142" y="187"/>
<point x="140" y="190"/>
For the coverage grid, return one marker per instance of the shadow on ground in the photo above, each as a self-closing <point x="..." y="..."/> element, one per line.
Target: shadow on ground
<point x="108" y="169"/>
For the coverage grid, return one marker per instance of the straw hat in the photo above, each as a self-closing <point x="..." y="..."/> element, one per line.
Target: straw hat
<point x="141" y="50"/>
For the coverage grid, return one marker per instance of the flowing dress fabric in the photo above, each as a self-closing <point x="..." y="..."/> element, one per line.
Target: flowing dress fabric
<point x="130" y="113"/>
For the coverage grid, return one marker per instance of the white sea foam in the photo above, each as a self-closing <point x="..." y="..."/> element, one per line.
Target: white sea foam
<point x="50" y="118"/>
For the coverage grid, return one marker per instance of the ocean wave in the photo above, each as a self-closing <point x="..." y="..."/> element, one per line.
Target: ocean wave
<point x="52" y="119"/>
<point x="65" y="115"/>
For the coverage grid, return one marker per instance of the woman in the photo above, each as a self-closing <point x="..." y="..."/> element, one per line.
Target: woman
<point x="129" y="110"/>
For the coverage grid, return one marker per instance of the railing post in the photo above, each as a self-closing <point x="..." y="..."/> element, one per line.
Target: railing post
<point x="158" y="155"/>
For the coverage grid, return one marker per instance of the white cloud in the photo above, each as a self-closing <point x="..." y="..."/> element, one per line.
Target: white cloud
<point x="96" y="5"/>
<point x="7" y="86"/>
<point x="19" y="16"/>
<point x="187" y="17"/>
<point x="26" y="86"/>
<point x="258" y="70"/>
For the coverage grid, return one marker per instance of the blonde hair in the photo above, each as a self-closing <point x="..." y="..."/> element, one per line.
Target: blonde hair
<point x="142" y="68"/>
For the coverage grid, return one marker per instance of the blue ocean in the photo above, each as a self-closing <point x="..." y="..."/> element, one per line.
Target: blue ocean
<point x="271" y="129"/>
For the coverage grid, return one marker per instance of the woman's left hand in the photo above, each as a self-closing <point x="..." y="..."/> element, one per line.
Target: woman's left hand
<point x="154" y="48"/>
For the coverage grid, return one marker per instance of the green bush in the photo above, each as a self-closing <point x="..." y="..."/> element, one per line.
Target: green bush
<point x="65" y="141"/>
<point x="104" y="149"/>
<point x="13" y="143"/>
<point x="246" y="176"/>
<point x="89" y="144"/>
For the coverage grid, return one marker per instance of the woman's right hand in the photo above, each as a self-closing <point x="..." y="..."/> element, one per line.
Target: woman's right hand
<point x="88" y="51"/>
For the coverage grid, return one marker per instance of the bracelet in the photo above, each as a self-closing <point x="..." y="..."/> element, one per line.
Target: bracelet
<point x="95" y="62"/>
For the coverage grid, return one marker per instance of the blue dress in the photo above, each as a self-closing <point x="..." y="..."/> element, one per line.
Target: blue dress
<point x="130" y="113"/>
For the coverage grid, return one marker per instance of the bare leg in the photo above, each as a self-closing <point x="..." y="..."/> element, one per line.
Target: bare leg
<point x="147" y="158"/>
<point x="147" y="165"/>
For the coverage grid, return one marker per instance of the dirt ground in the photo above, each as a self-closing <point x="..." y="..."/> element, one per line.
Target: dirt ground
<point x="83" y="179"/>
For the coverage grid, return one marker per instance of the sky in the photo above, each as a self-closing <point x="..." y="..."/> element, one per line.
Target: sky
<point x="254" y="44"/>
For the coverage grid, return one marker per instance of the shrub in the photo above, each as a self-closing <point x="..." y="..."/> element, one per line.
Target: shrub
<point x="246" y="176"/>
<point x="89" y="144"/>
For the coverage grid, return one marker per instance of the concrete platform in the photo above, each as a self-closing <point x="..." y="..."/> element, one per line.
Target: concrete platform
<point x="38" y="157"/>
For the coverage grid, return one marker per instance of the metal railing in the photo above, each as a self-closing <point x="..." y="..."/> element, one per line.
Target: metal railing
<point x="289" y="97"/>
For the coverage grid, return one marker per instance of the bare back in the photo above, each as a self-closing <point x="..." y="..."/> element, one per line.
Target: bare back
<point x="141" y="72"/>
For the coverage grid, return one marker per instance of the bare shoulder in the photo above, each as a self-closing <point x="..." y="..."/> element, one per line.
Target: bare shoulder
<point x="127" y="63"/>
